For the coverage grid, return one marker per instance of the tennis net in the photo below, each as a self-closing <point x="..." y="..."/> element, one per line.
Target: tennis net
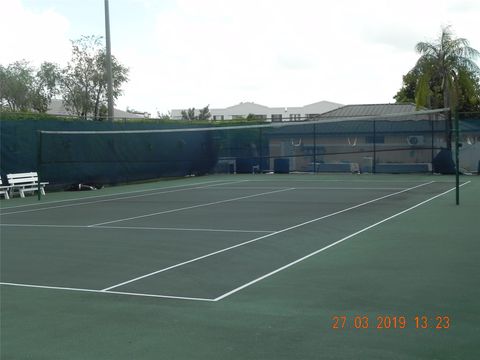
<point x="406" y="142"/>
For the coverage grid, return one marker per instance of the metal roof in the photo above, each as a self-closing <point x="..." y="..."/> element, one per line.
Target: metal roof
<point x="370" y="110"/>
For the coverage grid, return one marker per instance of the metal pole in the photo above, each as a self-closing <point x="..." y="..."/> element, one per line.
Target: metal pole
<point x="260" y="144"/>
<point x="39" y="162"/>
<point x="374" y="162"/>
<point x="314" y="149"/>
<point x="108" y="63"/>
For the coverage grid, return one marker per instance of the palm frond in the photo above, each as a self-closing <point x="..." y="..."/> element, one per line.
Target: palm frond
<point x="422" y="91"/>
<point x="426" y="48"/>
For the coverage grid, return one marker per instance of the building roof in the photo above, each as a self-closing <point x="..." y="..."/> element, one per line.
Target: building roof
<point x="57" y="107"/>
<point x="370" y="110"/>
<point x="322" y="106"/>
<point x="249" y="105"/>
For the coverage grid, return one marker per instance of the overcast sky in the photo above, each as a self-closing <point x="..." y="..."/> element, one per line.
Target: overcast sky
<point x="193" y="53"/>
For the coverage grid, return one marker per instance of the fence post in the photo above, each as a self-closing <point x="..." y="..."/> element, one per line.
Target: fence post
<point x="260" y="144"/>
<point x="432" y="142"/>
<point x="314" y="149"/>
<point x="374" y="162"/>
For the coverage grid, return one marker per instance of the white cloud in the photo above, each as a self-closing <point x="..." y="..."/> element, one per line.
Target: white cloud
<point x="275" y="52"/>
<point x="34" y="36"/>
<point x="463" y="6"/>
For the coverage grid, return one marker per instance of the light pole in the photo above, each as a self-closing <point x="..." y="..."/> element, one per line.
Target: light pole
<point x="108" y="63"/>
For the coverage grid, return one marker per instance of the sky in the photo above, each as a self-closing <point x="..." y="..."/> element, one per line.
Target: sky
<point x="278" y="53"/>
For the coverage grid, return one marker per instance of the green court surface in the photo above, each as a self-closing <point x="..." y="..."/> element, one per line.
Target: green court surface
<point x="245" y="267"/>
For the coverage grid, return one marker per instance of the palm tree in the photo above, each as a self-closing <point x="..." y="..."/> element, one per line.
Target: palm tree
<point x="447" y="68"/>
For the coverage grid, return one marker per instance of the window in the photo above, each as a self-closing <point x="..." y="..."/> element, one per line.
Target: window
<point x="276" y="117"/>
<point x="295" y="117"/>
<point x="218" y="117"/>
<point x="255" y="117"/>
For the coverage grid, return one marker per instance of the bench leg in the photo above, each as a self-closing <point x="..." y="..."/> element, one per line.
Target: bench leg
<point x="22" y="194"/>
<point x="42" y="191"/>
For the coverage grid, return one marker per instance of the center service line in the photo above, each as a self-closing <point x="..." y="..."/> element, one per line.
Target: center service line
<point x="262" y="237"/>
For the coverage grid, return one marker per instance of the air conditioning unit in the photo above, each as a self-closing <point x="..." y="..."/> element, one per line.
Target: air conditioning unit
<point x="415" y="140"/>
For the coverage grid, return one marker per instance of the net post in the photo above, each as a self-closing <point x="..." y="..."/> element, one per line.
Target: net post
<point x="457" y="158"/>
<point x="39" y="162"/>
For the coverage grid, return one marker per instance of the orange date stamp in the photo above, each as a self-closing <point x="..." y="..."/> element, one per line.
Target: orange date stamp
<point x="385" y="322"/>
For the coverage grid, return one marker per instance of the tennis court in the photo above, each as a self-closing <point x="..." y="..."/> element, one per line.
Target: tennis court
<point x="218" y="257"/>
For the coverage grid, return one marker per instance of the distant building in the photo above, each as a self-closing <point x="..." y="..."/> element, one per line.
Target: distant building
<point x="274" y="114"/>
<point x="365" y="137"/>
<point x="56" y="107"/>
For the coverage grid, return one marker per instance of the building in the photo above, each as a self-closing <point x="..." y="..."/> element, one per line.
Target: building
<point x="274" y="114"/>
<point x="56" y="107"/>
<point x="366" y="138"/>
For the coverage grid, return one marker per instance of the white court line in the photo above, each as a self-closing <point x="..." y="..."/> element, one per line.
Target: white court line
<point x="181" y="229"/>
<point x="331" y="245"/>
<point x="260" y="238"/>
<point x="331" y="180"/>
<point x="105" y="292"/>
<point x="351" y="181"/>
<point x="191" y="207"/>
<point x="114" y="194"/>
<point x="119" y="198"/>
<point x="313" y="188"/>
<point x="136" y="228"/>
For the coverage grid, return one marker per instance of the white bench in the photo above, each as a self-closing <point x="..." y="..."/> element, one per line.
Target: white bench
<point x="25" y="182"/>
<point x="4" y="190"/>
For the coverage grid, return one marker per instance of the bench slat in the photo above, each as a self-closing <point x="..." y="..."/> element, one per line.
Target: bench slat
<point x="32" y="173"/>
<point x="23" y="181"/>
